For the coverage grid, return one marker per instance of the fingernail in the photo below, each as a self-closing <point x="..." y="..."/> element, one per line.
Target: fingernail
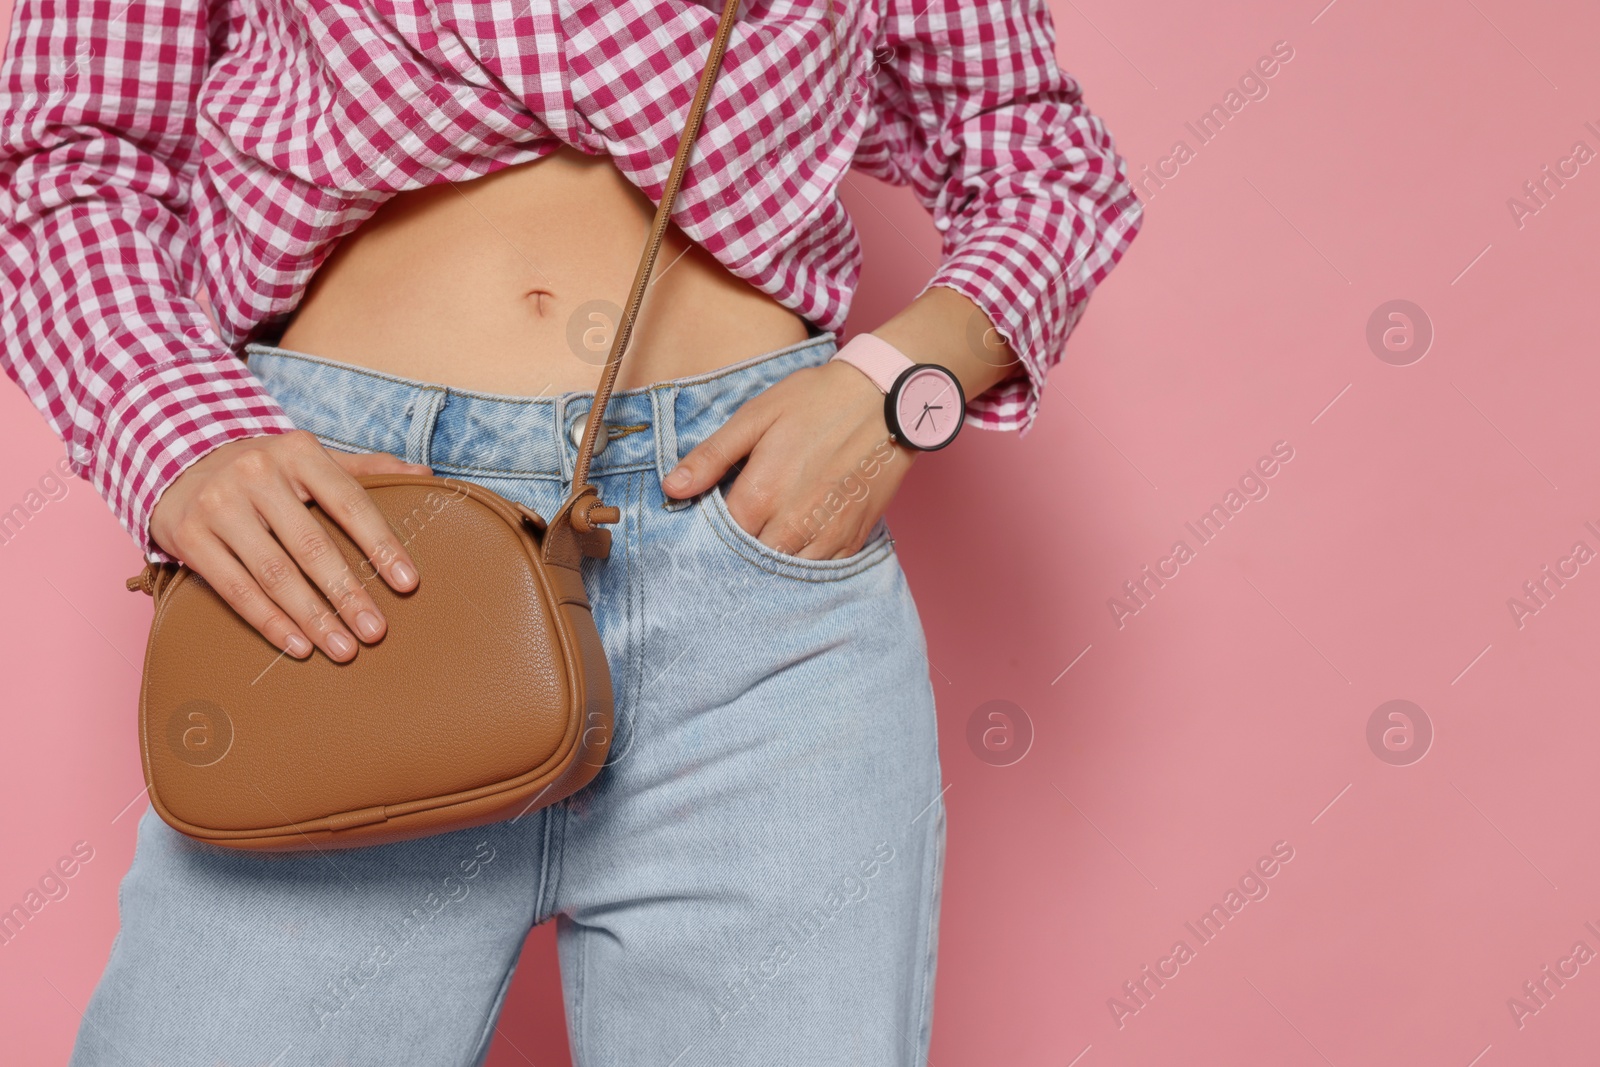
<point x="369" y="625"/>
<point x="297" y="646"/>
<point x="678" y="478"/>
<point x="403" y="574"/>
<point x="342" y="646"/>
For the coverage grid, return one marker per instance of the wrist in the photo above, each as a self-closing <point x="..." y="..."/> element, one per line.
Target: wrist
<point x="944" y="326"/>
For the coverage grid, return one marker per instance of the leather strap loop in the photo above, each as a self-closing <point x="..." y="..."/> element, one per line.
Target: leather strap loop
<point x="641" y="280"/>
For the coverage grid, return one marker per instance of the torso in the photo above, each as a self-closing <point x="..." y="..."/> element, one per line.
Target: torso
<point x="511" y="284"/>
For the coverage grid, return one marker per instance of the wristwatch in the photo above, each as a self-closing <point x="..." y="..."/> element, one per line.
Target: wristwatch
<point x="922" y="402"/>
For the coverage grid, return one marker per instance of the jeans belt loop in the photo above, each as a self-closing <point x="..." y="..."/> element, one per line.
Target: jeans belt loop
<point x="664" y="411"/>
<point x="425" y="408"/>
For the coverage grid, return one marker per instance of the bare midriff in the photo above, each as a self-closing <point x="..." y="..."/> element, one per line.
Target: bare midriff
<point x="511" y="283"/>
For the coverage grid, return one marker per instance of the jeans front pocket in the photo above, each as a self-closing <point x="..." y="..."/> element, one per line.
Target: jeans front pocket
<point x="714" y="507"/>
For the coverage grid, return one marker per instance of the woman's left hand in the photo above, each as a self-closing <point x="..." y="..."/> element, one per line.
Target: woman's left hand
<point x="821" y="469"/>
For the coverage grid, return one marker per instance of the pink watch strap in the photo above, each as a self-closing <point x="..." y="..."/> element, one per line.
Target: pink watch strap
<point x="876" y="358"/>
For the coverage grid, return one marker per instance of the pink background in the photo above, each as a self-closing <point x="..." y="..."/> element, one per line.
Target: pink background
<point x="1231" y="712"/>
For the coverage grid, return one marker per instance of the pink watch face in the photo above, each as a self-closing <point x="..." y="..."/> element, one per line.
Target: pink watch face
<point x="928" y="407"/>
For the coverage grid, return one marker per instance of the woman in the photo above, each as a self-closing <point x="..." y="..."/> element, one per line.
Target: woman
<point x="417" y="223"/>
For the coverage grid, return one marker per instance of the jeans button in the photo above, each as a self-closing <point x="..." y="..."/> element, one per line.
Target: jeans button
<point x="600" y="437"/>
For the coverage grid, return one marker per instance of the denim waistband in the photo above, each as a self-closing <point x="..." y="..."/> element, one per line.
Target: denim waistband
<point x="466" y="433"/>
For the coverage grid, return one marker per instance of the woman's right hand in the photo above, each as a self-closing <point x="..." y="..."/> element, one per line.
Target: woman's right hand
<point x="238" y="518"/>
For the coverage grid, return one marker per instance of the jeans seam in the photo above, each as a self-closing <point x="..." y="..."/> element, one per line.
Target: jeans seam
<point x="933" y="876"/>
<point x="580" y="1015"/>
<point x="412" y="383"/>
<point x="481" y="1052"/>
<point x="634" y="665"/>
<point x="260" y="348"/>
<point x="549" y="863"/>
<point x="598" y="470"/>
<point x="734" y="368"/>
<point x="122" y="884"/>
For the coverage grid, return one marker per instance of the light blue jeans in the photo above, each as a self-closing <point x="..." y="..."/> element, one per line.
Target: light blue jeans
<point x="752" y="879"/>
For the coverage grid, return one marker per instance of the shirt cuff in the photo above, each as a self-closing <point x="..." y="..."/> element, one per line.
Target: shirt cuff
<point x="165" y="420"/>
<point x="1013" y="402"/>
<point x="1034" y="292"/>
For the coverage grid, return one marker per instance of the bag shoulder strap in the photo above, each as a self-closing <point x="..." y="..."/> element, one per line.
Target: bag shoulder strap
<point x="583" y="517"/>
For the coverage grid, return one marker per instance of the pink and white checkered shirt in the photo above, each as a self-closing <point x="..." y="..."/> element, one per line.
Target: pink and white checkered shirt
<point x="149" y="147"/>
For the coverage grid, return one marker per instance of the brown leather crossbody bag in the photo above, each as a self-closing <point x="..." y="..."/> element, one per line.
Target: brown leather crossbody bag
<point x="489" y="697"/>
